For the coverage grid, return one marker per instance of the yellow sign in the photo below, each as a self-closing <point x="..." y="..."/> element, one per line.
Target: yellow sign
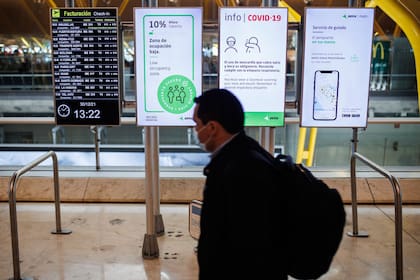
<point x="375" y="50"/>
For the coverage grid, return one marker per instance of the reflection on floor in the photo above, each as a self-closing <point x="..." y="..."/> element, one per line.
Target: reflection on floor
<point x="107" y="239"/>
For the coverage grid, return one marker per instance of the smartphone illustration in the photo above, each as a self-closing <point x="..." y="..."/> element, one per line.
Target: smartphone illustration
<point x="325" y="95"/>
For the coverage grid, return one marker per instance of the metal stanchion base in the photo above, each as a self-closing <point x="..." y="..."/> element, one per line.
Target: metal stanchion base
<point x="150" y="246"/>
<point x="160" y="228"/>
<point x="358" y="234"/>
<point x="63" y="231"/>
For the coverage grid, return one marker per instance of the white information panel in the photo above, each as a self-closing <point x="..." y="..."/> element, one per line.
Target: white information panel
<point x="168" y="64"/>
<point x="252" y="59"/>
<point x="337" y="56"/>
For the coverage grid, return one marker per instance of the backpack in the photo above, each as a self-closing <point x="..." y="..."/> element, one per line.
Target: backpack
<point x="315" y="223"/>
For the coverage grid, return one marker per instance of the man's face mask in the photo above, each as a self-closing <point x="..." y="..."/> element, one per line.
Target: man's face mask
<point x="197" y="138"/>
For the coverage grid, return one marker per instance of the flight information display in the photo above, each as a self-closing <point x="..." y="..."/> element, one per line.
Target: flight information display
<point x="85" y="63"/>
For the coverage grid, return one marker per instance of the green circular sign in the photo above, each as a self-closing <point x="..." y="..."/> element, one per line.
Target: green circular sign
<point x="176" y="94"/>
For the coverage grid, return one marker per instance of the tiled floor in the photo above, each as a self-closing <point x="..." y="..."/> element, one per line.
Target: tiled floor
<point x="107" y="239"/>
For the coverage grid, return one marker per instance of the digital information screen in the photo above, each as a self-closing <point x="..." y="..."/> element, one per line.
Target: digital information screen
<point x="252" y="59"/>
<point x="168" y="64"/>
<point x="336" y="72"/>
<point x="85" y="63"/>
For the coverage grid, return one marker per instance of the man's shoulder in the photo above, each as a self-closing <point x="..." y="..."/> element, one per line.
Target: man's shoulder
<point x="244" y="142"/>
<point x="246" y="149"/>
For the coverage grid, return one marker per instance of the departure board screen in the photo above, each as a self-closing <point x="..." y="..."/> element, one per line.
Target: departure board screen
<point x="85" y="63"/>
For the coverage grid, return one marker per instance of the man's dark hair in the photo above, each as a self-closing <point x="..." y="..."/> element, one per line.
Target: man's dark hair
<point x="222" y="106"/>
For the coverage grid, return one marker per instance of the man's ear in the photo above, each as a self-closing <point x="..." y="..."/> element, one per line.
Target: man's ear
<point x="212" y="125"/>
<point x="216" y="127"/>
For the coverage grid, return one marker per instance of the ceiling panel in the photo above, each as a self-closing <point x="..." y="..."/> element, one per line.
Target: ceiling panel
<point x="31" y="17"/>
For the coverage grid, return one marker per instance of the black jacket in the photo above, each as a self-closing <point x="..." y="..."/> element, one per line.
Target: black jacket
<point x="237" y="223"/>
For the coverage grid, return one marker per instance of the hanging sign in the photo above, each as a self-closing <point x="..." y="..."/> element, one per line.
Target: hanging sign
<point x="85" y="63"/>
<point x="252" y="55"/>
<point x="168" y="64"/>
<point x="336" y="72"/>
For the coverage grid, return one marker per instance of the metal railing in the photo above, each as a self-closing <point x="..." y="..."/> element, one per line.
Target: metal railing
<point x="12" y="206"/>
<point x="397" y="204"/>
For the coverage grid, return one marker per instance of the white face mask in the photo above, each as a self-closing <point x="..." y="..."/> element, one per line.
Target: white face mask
<point x="197" y="140"/>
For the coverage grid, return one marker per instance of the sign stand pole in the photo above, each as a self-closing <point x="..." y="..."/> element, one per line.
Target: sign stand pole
<point x="97" y="140"/>
<point x="355" y="232"/>
<point x="267" y="137"/>
<point x="153" y="217"/>
<point x="159" y="227"/>
<point x="150" y="244"/>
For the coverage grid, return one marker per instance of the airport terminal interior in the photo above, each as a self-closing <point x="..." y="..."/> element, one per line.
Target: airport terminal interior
<point x="102" y="172"/>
